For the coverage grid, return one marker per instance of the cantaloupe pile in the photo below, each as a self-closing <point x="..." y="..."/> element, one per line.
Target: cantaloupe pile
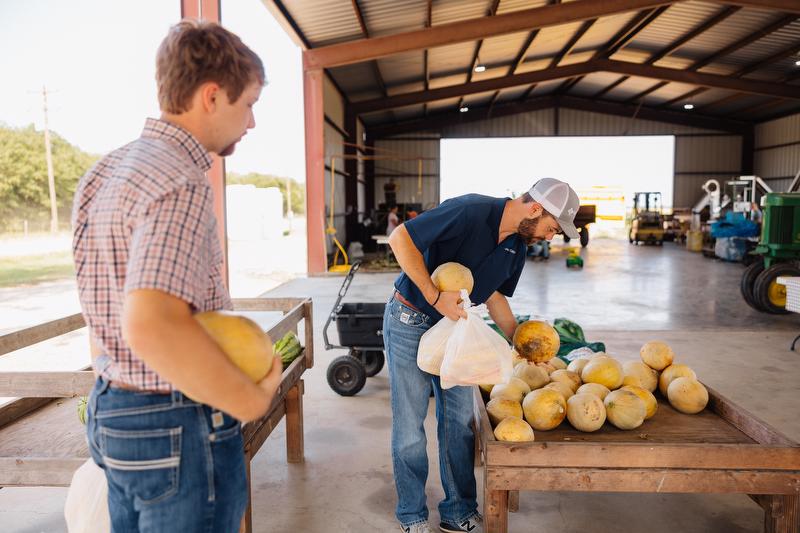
<point x="588" y="392"/>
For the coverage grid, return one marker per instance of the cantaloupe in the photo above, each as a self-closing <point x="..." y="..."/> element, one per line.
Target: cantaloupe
<point x="650" y="402"/>
<point x="570" y="378"/>
<point x="578" y="364"/>
<point x="515" y="389"/>
<point x="535" y="376"/>
<point x="516" y="358"/>
<point x="625" y="409"/>
<point x="242" y="340"/>
<point x="500" y="409"/>
<point x="629" y="379"/>
<point x="673" y="371"/>
<point x="536" y="341"/>
<point x="603" y="370"/>
<point x="546" y="366"/>
<point x="586" y="412"/>
<point x="544" y="409"/>
<point x="648" y="377"/>
<point x="560" y="387"/>
<point x="687" y="395"/>
<point x="513" y="429"/>
<point x="657" y="355"/>
<point x="601" y="391"/>
<point x="452" y="277"/>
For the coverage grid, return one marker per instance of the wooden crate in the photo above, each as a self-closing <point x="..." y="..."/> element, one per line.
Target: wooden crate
<point x="42" y="442"/>
<point x="723" y="449"/>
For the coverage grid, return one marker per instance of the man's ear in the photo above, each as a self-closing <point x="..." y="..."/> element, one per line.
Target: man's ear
<point x="209" y="94"/>
<point x="535" y="209"/>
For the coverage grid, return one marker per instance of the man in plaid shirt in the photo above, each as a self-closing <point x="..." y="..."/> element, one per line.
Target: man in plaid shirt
<point x="147" y="258"/>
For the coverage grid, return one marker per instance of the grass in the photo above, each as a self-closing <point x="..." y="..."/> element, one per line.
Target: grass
<point x="31" y="269"/>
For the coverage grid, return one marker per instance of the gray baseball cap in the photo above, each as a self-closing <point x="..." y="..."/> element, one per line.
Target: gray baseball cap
<point x="559" y="200"/>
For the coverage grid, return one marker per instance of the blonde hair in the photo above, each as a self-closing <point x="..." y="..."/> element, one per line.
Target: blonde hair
<point x="196" y="52"/>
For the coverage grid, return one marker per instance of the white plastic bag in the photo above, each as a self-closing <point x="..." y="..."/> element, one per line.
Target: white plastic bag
<point x="86" y="509"/>
<point x="432" y="344"/>
<point x="475" y="353"/>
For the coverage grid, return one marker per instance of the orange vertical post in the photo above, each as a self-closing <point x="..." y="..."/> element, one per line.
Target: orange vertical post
<point x="315" y="171"/>
<point x="210" y="10"/>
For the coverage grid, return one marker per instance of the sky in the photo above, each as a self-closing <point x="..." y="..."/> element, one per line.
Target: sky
<point x="470" y="165"/>
<point x="97" y="60"/>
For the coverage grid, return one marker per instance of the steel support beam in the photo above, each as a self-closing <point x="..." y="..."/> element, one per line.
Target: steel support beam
<point x="315" y="172"/>
<point x="578" y="69"/>
<point x="210" y="10"/>
<point x="469" y="30"/>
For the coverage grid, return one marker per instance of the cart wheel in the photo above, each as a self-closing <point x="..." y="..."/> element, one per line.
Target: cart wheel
<point x="346" y="375"/>
<point x="584" y="235"/>
<point x="768" y="292"/>
<point x="373" y="362"/>
<point x="748" y="283"/>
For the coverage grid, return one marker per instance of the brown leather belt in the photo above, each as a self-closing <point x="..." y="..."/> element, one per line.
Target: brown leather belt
<point x="400" y="298"/>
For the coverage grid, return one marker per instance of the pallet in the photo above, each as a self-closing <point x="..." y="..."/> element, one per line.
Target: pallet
<point x="42" y="442"/>
<point x="723" y="449"/>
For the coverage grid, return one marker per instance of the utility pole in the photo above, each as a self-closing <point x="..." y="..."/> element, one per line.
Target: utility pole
<point x="50" y="179"/>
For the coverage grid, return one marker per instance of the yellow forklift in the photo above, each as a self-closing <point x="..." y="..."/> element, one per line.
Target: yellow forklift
<point x="647" y="225"/>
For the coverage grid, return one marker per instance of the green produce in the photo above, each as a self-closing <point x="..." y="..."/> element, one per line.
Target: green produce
<point x="82" y="405"/>
<point x="288" y="348"/>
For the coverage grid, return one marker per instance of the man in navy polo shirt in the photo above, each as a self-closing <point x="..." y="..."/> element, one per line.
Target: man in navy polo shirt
<point x="489" y="236"/>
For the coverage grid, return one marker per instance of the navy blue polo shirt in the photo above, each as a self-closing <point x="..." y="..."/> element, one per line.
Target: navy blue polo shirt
<point x="465" y="230"/>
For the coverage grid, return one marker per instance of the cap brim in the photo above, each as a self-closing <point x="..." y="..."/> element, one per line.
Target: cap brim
<point x="568" y="229"/>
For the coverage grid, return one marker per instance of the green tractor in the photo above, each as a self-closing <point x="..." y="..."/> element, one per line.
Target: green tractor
<point x="779" y="251"/>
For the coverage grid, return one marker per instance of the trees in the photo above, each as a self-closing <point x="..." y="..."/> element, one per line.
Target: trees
<point x="23" y="179"/>
<point x="23" y="176"/>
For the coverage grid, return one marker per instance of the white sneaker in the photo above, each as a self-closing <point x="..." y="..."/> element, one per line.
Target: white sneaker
<point x="421" y="527"/>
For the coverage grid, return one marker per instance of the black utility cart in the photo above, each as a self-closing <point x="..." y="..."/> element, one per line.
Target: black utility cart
<point x="360" y="328"/>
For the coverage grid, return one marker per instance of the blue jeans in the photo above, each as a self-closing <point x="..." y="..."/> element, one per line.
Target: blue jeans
<point x="172" y="464"/>
<point x="410" y="393"/>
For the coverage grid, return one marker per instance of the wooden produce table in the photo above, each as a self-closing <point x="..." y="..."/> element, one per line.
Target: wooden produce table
<point x="42" y="442"/>
<point x="723" y="449"/>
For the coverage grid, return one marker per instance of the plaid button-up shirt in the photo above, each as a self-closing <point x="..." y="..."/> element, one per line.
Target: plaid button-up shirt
<point x="143" y="219"/>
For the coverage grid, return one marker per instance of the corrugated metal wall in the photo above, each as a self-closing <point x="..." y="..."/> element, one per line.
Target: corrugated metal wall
<point x="405" y="170"/>
<point x="777" y="157"/>
<point x="699" y="154"/>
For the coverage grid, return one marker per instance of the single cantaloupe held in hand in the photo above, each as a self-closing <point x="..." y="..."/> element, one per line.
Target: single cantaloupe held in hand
<point x="452" y="277"/>
<point x="242" y="340"/>
<point x="536" y="341"/>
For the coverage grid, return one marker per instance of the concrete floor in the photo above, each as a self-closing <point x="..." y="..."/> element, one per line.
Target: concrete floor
<point x="624" y="296"/>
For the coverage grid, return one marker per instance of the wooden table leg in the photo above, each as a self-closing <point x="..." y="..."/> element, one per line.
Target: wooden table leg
<point x="294" y="423"/>
<point x="476" y="435"/>
<point x="513" y="501"/>
<point x="495" y="510"/>
<point x="247" y="520"/>
<point x="781" y="513"/>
